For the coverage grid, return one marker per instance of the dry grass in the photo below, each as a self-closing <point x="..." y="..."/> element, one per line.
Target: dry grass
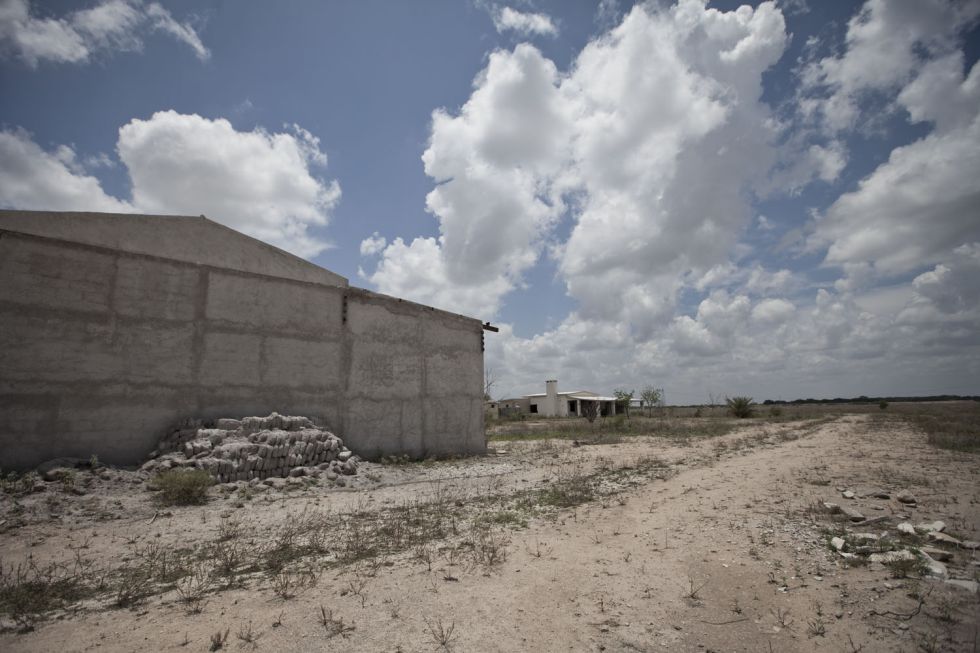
<point x="183" y="487"/>
<point x="951" y="425"/>
<point x="611" y="430"/>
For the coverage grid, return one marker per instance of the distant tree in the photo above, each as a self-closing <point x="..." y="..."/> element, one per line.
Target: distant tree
<point x="624" y="399"/>
<point x="590" y="410"/>
<point x="739" y="406"/>
<point x="650" y="397"/>
<point x="489" y="380"/>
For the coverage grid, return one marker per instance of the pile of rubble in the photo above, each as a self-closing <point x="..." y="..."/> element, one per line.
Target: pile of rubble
<point x="924" y="543"/>
<point x="253" y="448"/>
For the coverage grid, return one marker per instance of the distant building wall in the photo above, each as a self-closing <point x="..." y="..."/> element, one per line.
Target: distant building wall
<point x="102" y="350"/>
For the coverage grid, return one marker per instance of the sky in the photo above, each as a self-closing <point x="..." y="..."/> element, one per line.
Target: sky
<point x="777" y="199"/>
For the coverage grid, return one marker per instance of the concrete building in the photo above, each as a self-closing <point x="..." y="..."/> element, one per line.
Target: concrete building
<point x="552" y="403"/>
<point x="115" y="327"/>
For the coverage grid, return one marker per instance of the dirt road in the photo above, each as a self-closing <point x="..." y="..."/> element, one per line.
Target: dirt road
<point x="717" y="544"/>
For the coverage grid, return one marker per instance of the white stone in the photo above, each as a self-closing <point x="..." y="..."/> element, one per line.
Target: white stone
<point x="935" y="568"/>
<point x="892" y="556"/>
<point x="937" y="554"/>
<point x="942" y="537"/>
<point x="906" y="497"/>
<point x="852" y="514"/>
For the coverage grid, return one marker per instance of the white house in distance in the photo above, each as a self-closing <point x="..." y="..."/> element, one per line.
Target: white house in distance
<point x="552" y="403"/>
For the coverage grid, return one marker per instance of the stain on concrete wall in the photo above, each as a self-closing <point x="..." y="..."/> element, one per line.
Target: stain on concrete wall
<point x="102" y="350"/>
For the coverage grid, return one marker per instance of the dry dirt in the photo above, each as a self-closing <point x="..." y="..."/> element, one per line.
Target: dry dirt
<point x="709" y="544"/>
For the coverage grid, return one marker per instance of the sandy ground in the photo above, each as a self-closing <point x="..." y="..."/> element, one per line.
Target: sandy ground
<point x="713" y="544"/>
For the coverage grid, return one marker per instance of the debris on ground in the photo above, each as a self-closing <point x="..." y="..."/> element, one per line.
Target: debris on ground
<point x="233" y="450"/>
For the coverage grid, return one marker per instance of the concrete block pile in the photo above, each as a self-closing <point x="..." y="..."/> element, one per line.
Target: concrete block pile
<point x="254" y="448"/>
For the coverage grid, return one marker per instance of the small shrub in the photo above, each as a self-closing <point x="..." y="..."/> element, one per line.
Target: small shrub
<point x="183" y="487"/>
<point x="334" y="625"/>
<point x="132" y="587"/>
<point x="775" y="411"/>
<point x="740" y="407"/>
<point x="906" y="568"/>
<point x="18" y="484"/>
<point x="442" y="635"/>
<point x="590" y="410"/>
<point x="218" y="640"/>
<point x="883" y="404"/>
<point x="29" y="590"/>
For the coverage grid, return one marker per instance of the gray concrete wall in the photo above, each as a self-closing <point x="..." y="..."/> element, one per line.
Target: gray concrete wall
<point x="176" y="237"/>
<point x="103" y="350"/>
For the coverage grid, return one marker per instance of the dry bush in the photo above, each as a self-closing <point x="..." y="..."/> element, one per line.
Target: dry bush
<point x="187" y="487"/>
<point x="29" y="590"/>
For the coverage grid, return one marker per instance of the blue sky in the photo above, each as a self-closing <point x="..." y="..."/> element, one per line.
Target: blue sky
<point x="777" y="200"/>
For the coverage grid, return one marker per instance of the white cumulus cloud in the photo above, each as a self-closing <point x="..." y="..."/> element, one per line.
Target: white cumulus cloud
<point x="524" y="23"/>
<point x="645" y="143"/>
<point x="109" y="26"/>
<point x="922" y="202"/>
<point x="372" y="245"/>
<point x="32" y="178"/>
<point x="263" y="184"/>
<point x="883" y="49"/>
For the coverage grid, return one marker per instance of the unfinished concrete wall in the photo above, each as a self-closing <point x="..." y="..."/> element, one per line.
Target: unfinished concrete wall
<point x="414" y="371"/>
<point x="101" y="350"/>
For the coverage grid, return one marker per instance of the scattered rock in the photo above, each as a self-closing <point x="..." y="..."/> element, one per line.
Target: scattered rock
<point x="865" y="537"/>
<point x="929" y="527"/>
<point x="935" y="568"/>
<point x="838" y="543"/>
<point x="832" y="508"/>
<point x="906" y="528"/>
<point x="943" y="538"/>
<point x="852" y="514"/>
<point x="892" y="556"/>
<point x="906" y="497"/>
<point x="880" y="494"/>
<point x="847" y="494"/>
<point x="873" y="520"/>
<point x="58" y="463"/>
<point x="970" y="544"/>
<point x="56" y="474"/>
<point x="937" y="554"/>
